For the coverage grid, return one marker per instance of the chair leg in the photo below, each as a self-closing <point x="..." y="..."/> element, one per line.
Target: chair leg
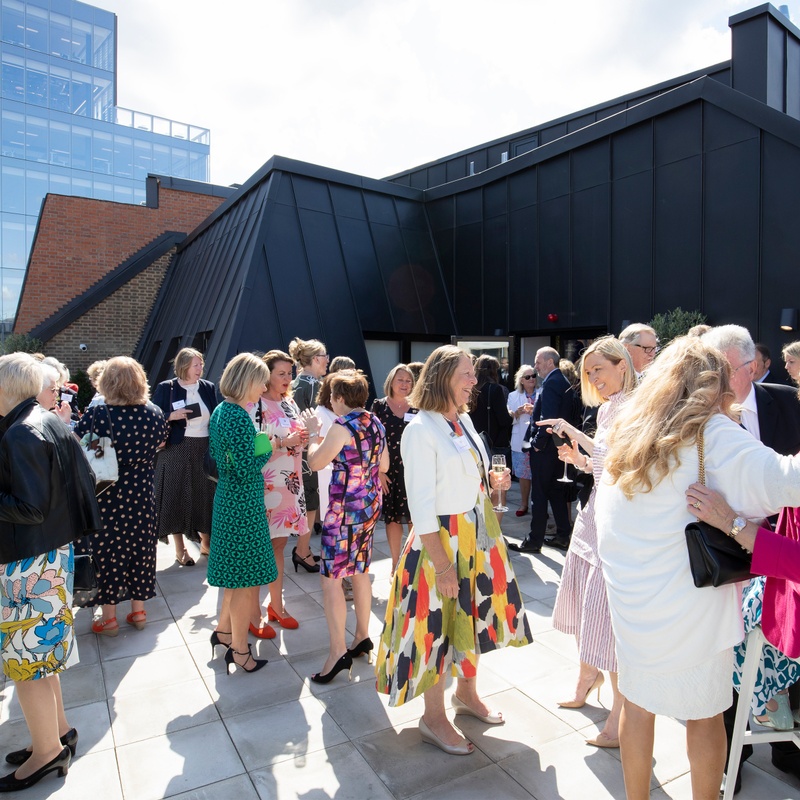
<point x="755" y="642"/>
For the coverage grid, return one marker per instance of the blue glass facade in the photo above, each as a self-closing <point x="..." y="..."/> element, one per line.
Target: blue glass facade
<point x="61" y="130"/>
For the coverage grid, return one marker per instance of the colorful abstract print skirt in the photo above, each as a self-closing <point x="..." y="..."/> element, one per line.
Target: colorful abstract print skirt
<point x="425" y="633"/>
<point x="36" y="638"/>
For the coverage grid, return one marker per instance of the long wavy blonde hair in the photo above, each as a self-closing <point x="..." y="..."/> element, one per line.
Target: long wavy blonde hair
<point x="685" y="386"/>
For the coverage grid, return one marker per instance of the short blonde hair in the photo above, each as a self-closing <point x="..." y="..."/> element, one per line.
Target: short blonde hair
<point x="184" y="359"/>
<point x="241" y="373"/>
<point x="611" y="349"/>
<point x="432" y="391"/>
<point x="518" y="377"/>
<point x="20" y="376"/>
<point x="95" y="370"/>
<point x="387" y="384"/>
<point x="684" y="387"/>
<point x="303" y="350"/>
<point x="792" y="349"/>
<point x="124" y="383"/>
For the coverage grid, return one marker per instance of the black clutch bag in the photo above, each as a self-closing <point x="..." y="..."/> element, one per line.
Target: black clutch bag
<point x="715" y="558"/>
<point x="85" y="585"/>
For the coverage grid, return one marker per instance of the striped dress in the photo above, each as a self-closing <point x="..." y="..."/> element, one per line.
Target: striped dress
<point x="581" y="606"/>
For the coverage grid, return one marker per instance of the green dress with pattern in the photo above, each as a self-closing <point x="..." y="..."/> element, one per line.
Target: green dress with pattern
<point x="241" y="552"/>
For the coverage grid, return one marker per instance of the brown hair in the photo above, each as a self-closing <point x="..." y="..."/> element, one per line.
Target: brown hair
<point x="324" y="392"/>
<point x="272" y="358"/>
<point x="351" y="386"/>
<point x="432" y="390"/>
<point x="303" y="350"/>
<point x="240" y="374"/>
<point x="123" y="382"/>
<point x="341" y="362"/>
<point x="183" y="361"/>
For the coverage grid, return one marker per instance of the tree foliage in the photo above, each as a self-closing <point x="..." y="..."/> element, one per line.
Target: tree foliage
<point x="677" y="322"/>
<point x="21" y="343"/>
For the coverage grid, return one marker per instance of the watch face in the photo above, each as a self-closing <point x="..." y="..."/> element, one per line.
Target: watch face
<point x="739" y="523"/>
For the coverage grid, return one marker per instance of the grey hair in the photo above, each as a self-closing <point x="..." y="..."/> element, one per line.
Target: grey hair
<point x="63" y="372"/>
<point x="550" y="353"/>
<point x="731" y="337"/>
<point x="50" y="374"/>
<point x="20" y="377"/>
<point x="632" y="333"/>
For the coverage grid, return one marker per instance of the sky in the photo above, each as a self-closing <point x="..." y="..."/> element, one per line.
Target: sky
<point x="375" y="87"/>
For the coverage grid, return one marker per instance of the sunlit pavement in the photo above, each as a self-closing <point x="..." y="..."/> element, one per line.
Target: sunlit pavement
<point x="159" y="717"/>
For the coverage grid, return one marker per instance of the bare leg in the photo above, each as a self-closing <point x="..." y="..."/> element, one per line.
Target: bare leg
<point x="467" y="691"/>
<point x="63" y="725"/>
<point x="336" y="615"/>
<point x="394" y="535"/>
<point x="109" y="612"/>
<point x="40" y="707"/>
<point x="304" y="544"/>
<point x="636" y="734"/>
<point x="524" y="493"/>
<point x="276" y="587"/>
<point x="180" y="545"/>
<point x="586" y="678"/>
<point x="435" y="716"/>
<point x="611" y="728"/>
<point x="705" y="745"/>
<point x="205" y="543"/>
<point x="241" y="601"/>
<point x="362" y="600"/>
<point x="224" y="624"/>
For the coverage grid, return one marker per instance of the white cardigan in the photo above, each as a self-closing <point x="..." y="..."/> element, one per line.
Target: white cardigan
<point x="440" y="479"/>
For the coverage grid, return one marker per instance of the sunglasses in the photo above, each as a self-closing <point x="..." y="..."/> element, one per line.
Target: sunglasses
<point x="528" y="377"/>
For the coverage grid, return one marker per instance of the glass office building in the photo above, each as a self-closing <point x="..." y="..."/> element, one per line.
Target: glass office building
<point x="62" y="131"/>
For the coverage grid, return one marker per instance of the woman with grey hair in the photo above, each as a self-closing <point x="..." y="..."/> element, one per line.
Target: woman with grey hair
<point x="42" y="510"/>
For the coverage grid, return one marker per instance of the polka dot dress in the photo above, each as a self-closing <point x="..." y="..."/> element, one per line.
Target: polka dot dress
<point x="126" y="548"/>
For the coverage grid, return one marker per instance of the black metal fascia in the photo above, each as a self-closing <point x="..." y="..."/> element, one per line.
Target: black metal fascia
<point x="107" y="285"/>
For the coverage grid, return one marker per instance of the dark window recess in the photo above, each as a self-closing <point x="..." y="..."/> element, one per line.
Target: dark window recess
<point x="201" y="341"/>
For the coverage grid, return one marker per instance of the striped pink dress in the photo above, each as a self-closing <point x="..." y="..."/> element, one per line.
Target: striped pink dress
<point x="581" y="606"/>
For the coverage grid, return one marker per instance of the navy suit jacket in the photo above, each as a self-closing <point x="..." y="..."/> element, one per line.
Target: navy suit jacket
<point x="168" y="392"/>
<point x="557" y="399"/>
<point x="778" y="417"/>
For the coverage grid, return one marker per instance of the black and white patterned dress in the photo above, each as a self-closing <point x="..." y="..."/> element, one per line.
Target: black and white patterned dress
<point x="126" y="548"/>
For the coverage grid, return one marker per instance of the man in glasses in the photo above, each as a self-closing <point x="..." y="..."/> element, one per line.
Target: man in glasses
<point x="641" y="342"/>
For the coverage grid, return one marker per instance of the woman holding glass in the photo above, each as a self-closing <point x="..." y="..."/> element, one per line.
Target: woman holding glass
<point x="454" y="588"/>
<point x="520" y="405"/>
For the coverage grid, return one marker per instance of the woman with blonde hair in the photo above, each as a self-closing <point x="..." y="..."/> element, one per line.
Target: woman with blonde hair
<point x="311" y="360"/>
<point x="674" y="642"/>
<point x="184" y="494"/>
<point x="241" y="558"/>
<point x="607" y="379"/>
<point x="125" y="549"/>
<point x="454" y="593"/>
<point x="395" y="412"/>
<point x="520" y="405"/>
<point x="791" y="360"/>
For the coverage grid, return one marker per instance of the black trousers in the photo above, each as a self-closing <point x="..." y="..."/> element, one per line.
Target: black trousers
<point x="546" y="469"/>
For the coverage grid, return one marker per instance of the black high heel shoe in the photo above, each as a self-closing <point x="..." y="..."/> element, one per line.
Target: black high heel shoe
<point x="215" y="640"/>
<point x="364" y="646"/>
<point x="229" y="659"/>
<point x="345" y="662"/>
<point x="59" y="764"/>
<point x="298" y="561"/>
<point x="69" y="739"/>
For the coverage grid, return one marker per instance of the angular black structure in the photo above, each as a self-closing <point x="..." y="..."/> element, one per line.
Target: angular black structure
<point x="685" y="194"/>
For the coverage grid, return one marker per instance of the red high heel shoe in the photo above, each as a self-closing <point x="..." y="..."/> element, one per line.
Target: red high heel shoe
<point x="285" y="622"/>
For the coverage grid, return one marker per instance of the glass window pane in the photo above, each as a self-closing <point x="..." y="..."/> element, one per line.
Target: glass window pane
<point x="36" y="183"/>
<point x="123" y="156"/>
<point x="13" y="77"/>
<point x="81" y="41"/>
<point x="13" y="22"/>
<point x="103" y="56"/>
<point x="59" y="143"/>
<point x="139" y="195"/>
<point x="12" y="288"/>
<point x="60" y="35"/>
<point x="59" y="89"/>
<point x="81" y="93"/>
<point x="81" y="187"/>
<point x="59" y="181"/>
<point x="103" y="190"/>
<point x="36" y="28"/>
<point x="36" y="82"/>
<point x="123" y="193"/>
<point x="102" y="98"/>
<point x="180" y="162"/>
<point x="81" y="148"/>
<point x="14" y="253"/>
<point x="198" y="167"/>
<point x="102" y="152"/>
<point x="36" y="139"/>
<point x="142" y="159"/>
<point x="13" y="190"/>
<point x="13" y="134"/>
<point x="161" y="160"/>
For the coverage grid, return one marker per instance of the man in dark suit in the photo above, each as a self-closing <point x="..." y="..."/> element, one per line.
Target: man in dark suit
<point x="556" y="399"/>
<point x="772" y="414"/>
<point x="762" y="372"/>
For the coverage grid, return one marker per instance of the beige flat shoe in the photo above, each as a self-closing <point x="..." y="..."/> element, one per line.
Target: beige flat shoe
<point x="602" y="740"/>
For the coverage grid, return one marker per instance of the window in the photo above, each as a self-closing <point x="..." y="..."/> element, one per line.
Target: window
<point x="102" y="152"/>
<point x="81" y="148"/>
<point x="13" y="135"/>
<point x="13" y="22"/>
<point x="59" y="89"/>
<point x="14" y="252"/>
<point x="13" y="77"/>
<point x="36" y="184"/>
<point x="59" y="143"/>
<point x="81" y="93"/>
<point x="123" y="156"/>
<point x="36" y="80"/>
<point x="36" y="140"/>
<point x="36" y="27"/>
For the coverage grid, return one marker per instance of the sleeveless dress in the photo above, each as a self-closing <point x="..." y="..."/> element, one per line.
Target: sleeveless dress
<point x="395" y="501"/>
<point x="241" y="551"/>
<point x="354" y="498"/>
<point x="581" y="606"/>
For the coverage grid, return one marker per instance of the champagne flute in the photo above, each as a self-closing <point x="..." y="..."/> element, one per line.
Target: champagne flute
<point x="558" y="441"/>
<point x="499" y="467"/>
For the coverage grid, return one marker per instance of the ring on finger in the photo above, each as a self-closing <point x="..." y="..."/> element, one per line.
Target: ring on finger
<point x="696" y="504"/>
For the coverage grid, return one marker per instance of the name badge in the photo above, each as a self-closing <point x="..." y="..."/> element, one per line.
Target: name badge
<point x="408" y="416"/>
<point x="178" y="405"/>
<point x="66" y="397"/>
<point x="285" y="422"/>
<point x="461" y="443"/>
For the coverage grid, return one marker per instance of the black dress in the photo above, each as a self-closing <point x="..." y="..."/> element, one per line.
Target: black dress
<point x="395" y="501"/>
<point x="126" y="547"/>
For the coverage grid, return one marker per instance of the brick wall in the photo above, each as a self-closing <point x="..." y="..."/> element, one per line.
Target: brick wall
<point x="80" y="240"/>
<point x="113" y="327"/>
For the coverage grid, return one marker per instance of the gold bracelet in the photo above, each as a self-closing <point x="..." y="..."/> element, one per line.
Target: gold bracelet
<point x="444" y="571"/>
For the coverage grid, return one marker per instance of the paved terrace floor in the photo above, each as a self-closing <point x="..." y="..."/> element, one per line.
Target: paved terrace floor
<point x="159" y="718"/>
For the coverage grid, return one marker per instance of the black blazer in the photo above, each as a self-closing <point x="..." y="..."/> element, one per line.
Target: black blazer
<point x="557" y="399"/>
<point x="778" y="417"/>
<point x="169" y="392"/>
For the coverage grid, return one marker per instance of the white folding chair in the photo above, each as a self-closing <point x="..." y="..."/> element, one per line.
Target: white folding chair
<point x="741" y="736"/>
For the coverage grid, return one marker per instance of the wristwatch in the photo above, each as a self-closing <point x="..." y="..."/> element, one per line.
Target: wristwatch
<point x="737" y="526"/>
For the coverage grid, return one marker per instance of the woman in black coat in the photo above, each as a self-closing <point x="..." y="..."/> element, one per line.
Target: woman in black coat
<point x="46" y="501"/>
<point x="488" y="408"/>
<point x="184" y="495"/>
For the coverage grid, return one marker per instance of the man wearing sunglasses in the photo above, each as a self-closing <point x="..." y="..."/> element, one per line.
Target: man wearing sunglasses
<point x="641" y="342"/>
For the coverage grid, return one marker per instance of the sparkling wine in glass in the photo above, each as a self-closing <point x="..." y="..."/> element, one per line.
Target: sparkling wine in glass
<point x="499" y="467"/>
<point x="558" y="441"/>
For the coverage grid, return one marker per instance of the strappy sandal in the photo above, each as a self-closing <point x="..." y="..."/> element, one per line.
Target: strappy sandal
<point x="138" y="619"/>
<point x="185" y="560"/>
<point x="108" y="628"/>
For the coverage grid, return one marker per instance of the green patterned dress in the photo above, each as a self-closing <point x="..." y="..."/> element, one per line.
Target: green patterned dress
<point x="241" y="552"/>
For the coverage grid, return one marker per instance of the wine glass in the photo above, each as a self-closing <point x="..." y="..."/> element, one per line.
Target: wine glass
<point x="499" y="467"/>
<point x="558" y="441"/>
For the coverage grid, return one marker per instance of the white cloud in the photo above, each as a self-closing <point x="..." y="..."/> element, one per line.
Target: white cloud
<point x="377" y="86"/>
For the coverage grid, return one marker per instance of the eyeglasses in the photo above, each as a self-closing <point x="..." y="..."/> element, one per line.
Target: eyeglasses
<point x="528" y="377"/>
<point x="648" y="350"/>
<point x="743" y="365"/>
<point x="321" y="355"/>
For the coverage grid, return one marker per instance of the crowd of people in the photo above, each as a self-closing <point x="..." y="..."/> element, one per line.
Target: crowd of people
<point x="284" y="445"/>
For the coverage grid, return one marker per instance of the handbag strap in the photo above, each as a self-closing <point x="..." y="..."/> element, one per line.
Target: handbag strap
<point x="701" y="456"/>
